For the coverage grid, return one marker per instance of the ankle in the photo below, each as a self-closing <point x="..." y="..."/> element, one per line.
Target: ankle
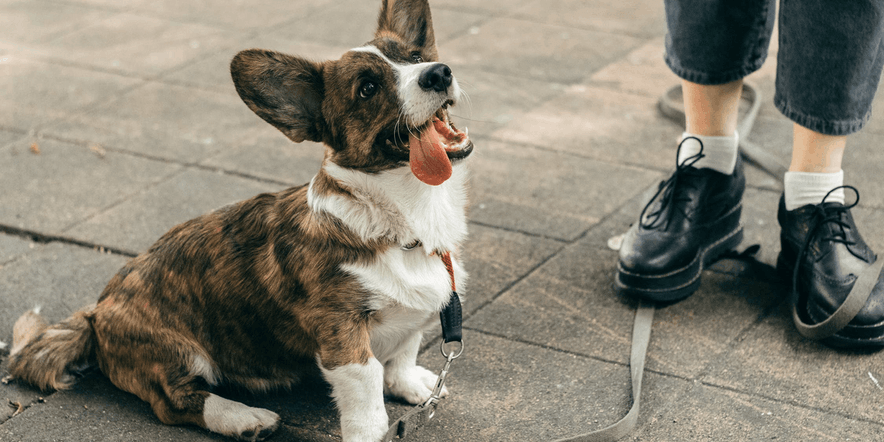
<point x="803" y="188"/>
<point x="719" y="152"/>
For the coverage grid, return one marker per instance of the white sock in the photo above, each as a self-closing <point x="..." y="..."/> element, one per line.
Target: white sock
<point x="803" y="188"/>
<point x="719" y="153"/>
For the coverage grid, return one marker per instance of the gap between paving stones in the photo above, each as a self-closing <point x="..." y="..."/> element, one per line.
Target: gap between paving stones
<point x="185" y="164"/>
<point x="48" y="59"/>
<point x="791" y="403"/>
<point x="521" y="232"/>
<point x="42" y="238"/>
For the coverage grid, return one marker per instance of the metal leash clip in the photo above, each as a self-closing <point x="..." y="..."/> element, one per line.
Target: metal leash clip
<point x="422" y="413"/>
<point x="433" y="401"/>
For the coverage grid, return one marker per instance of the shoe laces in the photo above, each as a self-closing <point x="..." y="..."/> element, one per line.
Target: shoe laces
<point x="825" y="214"/>
<point x="668" y="193"/>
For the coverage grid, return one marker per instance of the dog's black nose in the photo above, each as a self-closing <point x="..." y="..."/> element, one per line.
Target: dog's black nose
<point x="436" y="77"/>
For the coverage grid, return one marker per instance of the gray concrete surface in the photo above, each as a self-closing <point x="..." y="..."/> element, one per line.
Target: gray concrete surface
<point x="118" y="120"/>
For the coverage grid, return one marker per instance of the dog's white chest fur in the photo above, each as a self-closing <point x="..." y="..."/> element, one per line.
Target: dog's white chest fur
<point x="411" y="279"/>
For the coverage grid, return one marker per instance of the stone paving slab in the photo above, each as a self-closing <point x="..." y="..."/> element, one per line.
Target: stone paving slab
<point x="268" y="154"/>
<point x="351" y="24"/>
<point x="488" y="106"/>
<point x="149" y="45"/>
<point x="807" y="373"/>
<point x="602" y="124"/>
<point x="237" y="14"/>
<point x="495" y="259"/>
<point x="164" y="121"/>
<point x="641" y="72"/>
<point x="556" y="203"/>
<point x="58" y="278"/>
<point x="8" y="137"/>
<point x="538" y="51"/>
<point x="712" y="414"/>
<point x="214" y="71"/>
<point x="47" y="20"/>
<point x="494" y="8"/>
<point x="57" y="92"/>
<point x="631" y="17"/>
<point x="11" y="247"/>
<point x="65" y="184"/>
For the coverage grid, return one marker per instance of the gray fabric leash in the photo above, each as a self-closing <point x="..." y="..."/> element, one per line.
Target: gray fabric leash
<point x="641" y="336"/>
<point x="856" y="300"/>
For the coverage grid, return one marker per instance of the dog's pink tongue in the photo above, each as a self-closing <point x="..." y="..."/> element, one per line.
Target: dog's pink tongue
<point x="429" y="163"/>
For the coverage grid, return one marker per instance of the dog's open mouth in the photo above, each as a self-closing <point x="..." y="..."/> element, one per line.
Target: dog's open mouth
<point x="433" y="147"/>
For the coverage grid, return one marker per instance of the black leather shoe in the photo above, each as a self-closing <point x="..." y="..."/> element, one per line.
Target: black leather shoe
<point x="837" y="281"/>
<point x="691" y="221"/>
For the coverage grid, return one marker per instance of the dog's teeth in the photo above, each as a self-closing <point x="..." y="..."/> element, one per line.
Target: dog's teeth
<point x="466" y="131"/>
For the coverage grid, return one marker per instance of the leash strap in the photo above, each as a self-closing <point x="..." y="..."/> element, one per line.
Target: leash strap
<point x="855" y="301"/>
<point x="451" y="318"/>
<point x="451" y="315"/>
<point x="641" y="336"/>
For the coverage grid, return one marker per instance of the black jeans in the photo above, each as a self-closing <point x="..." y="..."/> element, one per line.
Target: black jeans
<point x="829" y="61"/>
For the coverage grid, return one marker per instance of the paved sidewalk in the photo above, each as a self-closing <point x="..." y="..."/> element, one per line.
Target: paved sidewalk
<point x="118" y="122"/>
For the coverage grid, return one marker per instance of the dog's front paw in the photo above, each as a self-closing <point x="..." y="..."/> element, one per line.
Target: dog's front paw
<point x="364" y="425"/>
<point x="413" y="385"/>
<point x="238" y="420"/>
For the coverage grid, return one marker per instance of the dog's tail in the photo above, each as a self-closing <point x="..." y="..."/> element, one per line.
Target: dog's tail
<point x="48" y="357"/>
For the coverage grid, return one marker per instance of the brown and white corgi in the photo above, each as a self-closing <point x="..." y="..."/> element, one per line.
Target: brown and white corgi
<point x="344" y="272"/>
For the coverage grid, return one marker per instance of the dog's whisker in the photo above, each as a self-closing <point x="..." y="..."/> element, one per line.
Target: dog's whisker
<point x="470" y="119"/>
<point x="468" y="100"/>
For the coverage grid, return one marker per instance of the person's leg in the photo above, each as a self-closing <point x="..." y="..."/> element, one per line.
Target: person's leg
<point x="829" y="64"/>
<point x="711" y="46"/>
<point x="711" y="125"/>
<point x="711" y="110"/>
<point x="815" y="171"/>
<point x="816" y="152"/>
<point x="695" y="215"/>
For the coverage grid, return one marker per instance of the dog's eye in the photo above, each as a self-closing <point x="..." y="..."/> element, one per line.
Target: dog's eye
<point x="367" y="89"/>
<point x="417" y="58"/>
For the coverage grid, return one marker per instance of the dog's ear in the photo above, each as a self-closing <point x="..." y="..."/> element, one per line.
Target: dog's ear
<point x="410" y="20"/>
<point x="285" y="91"/>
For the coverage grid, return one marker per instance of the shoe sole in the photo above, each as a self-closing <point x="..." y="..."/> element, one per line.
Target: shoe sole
<point x="692" y="272"/>
<point x="850" y="337"/>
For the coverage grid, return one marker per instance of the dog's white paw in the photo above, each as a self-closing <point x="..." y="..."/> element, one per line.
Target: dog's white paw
<point x="413" y="385"/>
<point x="238" y="420"/>
<point x="363" y="431"/>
